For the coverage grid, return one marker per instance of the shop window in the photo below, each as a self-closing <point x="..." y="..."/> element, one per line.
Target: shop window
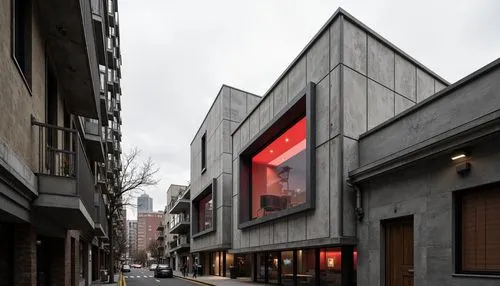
<point x="287" y="278"/>
<point x="279" y="172"/>
<point x="306" y="267"/>
<point x="273" y="267"/>
<point x="479" y="228"/>
<point x="21" y="37"/>
<point x="261" y="267"/>
<point x="277" y="166"/>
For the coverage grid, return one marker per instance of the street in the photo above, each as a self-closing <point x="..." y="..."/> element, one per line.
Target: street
<point x="144" y="277"/>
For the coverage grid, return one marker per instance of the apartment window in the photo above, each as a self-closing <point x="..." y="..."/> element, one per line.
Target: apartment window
<point x="204" y="152"/>
<point x="277" y="167"/>
<point x="205" y="207"/>
<point x="479" y="227"/>
<point x="21" y="37"/>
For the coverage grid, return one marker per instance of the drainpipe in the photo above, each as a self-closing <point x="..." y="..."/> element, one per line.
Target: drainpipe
<point x="359" y="209"/>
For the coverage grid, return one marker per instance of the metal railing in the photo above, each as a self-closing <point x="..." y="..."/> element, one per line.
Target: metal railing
<point x="97" y="7"/>
<point x="61" y="153"/>
<point x="175" y="199"/>
<point x="178" y="219"/>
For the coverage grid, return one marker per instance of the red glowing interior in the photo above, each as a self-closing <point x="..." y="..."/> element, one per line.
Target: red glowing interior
<point x="331" y="259"/>
<point x="284" y="147"/>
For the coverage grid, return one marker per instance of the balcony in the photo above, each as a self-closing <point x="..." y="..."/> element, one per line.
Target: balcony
<point x="67" y="24"/>
<point x="100" y="175"/>
<point x="65" y="180"/>
<point x="100" y="222"/>
<point x="181" y="203"/>
<point x="180" y="226"/>
<point x="179" y="245"/>
<point x="92" y="136"/>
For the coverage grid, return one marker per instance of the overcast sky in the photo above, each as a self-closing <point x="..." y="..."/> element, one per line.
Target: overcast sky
<point x="177" y="54"/>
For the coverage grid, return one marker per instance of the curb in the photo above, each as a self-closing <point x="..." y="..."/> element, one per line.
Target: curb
<point x="194" y="280"/>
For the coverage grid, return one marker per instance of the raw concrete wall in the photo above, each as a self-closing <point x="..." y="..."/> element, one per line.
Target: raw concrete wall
<point x="229" y="108"/>
<point x="424" y="191"/>
<point x="18" y="104"/>
<point x="361" y="81"/>
<point x="452" y="110"/>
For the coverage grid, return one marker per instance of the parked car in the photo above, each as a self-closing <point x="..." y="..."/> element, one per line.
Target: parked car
<point x="136" y="265"/>
<point x="163" y="271"/>
<point x="153" y="267"/>
<point x="125" y="268"/>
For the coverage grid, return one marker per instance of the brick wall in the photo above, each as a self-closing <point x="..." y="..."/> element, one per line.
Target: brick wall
<point x="24" y="255"/>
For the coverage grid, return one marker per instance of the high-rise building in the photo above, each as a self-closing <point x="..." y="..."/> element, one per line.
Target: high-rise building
<point x="147" y="223"/>
<point x="144" y="204"/>
<point x="59" y="138"/>
<point x="132" y="239"/>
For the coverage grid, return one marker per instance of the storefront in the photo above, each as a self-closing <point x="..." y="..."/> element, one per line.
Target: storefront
<point x="314" y="266"/>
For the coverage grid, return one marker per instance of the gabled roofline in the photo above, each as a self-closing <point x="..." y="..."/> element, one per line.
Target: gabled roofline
<point x="467" y="79"/>
<point x="359" y="24"/>
<point x="212" y="105"/>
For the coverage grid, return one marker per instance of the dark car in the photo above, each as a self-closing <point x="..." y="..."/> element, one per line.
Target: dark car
<point x="125" y="268"/>
<point x="163" y="270"/>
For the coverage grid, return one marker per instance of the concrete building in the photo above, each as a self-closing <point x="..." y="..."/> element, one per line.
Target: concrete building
<point x="59" y="142"/>
<point x="144" y="204"/>
<point x="211" y="179"/>
<point x="147" y="223"/>
<point x="132" y="239"/>
<point x="179" y="230"/>
<point x="342" y="174"/>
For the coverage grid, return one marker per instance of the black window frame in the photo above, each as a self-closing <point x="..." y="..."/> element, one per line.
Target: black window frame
<point x="304" y="104"/>
<point x="204" y="152"/>
<point x="24" y="9"/>
<point x="458" y="199"/>
<point x="209" y="189"/>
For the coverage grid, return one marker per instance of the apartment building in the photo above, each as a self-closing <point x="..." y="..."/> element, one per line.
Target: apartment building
<point x="147" y="223"/>
<point x="359" y="166"/>
<point x="179" y="230"/>
<point x="59" y="142"/>
<point x="211" y="180"/>
<point x="132" y="239"/>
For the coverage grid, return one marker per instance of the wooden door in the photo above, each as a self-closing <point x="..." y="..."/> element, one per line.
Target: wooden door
<point x="399" y="252"/>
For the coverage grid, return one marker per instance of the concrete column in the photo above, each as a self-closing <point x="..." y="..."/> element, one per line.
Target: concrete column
<point x="24" y="255"/>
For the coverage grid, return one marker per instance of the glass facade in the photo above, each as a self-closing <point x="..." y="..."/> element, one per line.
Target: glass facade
<point x="205" y="211"/>
<point x="306" y="267"/>
<point x="279" y="173"/>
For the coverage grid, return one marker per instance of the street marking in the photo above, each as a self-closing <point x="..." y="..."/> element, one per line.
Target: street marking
<point x="145" y="276"/>
<point x="150" y="276"/>
<point x="131" y="276"/>
<point x="157" y="280"/>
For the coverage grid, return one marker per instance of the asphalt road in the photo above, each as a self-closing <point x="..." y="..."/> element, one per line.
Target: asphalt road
<point x="144" y="277"/>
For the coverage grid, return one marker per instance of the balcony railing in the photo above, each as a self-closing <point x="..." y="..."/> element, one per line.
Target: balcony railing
<point x="61" y="154"/>
<point x="97" y="7"/>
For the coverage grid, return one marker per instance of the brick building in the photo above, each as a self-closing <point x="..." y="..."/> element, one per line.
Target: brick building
<point x="147" y="223"/>
<point x="59" y="138"/>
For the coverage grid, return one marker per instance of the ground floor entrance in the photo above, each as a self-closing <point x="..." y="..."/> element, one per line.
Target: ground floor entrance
<point x="335" y="266"/>
<point x="399" y="252"/>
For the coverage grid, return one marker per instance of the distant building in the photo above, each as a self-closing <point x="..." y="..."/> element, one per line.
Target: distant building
<point x="132" y="238"/>
<point x="147" y="223"/>
<point x="144" y="204"/>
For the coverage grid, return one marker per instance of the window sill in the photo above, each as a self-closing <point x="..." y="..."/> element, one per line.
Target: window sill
<point x="277" y="215"/>
<point x="202" y="233"/>
<point x="483" y="276"/>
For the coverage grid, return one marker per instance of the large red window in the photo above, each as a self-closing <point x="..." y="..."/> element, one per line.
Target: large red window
<point x="279" y="173"/>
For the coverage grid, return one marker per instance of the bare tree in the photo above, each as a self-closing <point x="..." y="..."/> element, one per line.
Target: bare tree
<point x="134" y="178"/>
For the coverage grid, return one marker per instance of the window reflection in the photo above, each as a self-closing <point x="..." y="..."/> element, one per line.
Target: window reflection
<point x="287" y="268"/>
<point x="306" y="267"/>
<point x="279" y="173"/>
<point x="205" y="208"/>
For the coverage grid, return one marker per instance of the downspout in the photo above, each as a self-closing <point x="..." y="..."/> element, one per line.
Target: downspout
<point x="360" y="213"/>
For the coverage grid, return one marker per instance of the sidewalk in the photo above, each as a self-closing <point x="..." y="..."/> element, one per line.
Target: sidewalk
<point x="212" y="280"/>
<point x="117" y="278"/>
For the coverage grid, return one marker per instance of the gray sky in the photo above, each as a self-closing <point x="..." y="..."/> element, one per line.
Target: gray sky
<point x="177" y="54"/>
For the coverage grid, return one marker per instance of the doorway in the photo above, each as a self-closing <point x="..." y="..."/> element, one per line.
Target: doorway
<point x="399" y="252"/>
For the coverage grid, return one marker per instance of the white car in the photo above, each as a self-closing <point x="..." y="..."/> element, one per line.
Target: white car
<point x="152" y="267"/>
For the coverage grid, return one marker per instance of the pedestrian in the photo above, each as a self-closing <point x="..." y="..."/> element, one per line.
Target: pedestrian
<point x="184" y="270"/>
<point x="195" y="270"/>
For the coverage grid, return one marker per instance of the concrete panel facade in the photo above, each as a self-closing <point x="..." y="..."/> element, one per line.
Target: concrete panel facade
<point x="356" y="73"/>
<point x="426" y="192"/>
<point x="229" y="107"/>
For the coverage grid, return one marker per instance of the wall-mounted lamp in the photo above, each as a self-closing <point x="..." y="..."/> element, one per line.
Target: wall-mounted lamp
<point x="463" y="167"/>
